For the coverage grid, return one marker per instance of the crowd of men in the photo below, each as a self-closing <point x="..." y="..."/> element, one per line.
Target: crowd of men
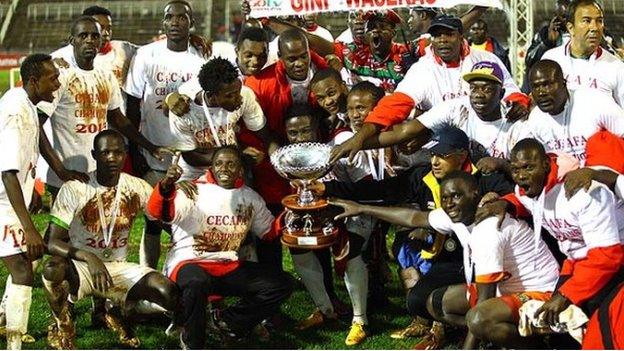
<point x="504" y="204"/>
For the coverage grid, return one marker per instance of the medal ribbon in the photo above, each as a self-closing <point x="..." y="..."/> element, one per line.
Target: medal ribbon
<point x="107" y="229"/>
<point x="213" y="129"/>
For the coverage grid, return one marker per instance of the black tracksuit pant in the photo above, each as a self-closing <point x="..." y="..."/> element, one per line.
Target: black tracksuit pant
<point x="261" y="290"/>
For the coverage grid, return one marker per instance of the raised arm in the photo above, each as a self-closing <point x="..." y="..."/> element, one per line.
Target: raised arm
<point x="470" y="17"/>
<point x="318" y="44"/>
<point x="398" y="134"/>
<point x="406" y="217"/>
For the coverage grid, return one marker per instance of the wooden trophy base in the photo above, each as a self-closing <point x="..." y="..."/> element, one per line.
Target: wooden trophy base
<point x="316" y="237"/>
<point x="318" y="240"/>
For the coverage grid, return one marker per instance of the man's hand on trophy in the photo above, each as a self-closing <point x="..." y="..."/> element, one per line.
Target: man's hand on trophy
<point x="351" y="208"/>
<point x="315" y="186"/>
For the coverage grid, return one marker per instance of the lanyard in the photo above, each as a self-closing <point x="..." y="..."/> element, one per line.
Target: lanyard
<point x="376" y="172"/>
<point x="213" y="129"/>
<point x="107" y="229"/>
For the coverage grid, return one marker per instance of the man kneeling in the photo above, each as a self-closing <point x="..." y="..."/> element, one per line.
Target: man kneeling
<point x="510" y="264"/>
<point x="88" y="241"/>
<point x="207" y="233"/>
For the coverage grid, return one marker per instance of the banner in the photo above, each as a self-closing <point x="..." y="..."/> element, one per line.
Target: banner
<point x="10" y="60"/>
<point x="269" y="8"/>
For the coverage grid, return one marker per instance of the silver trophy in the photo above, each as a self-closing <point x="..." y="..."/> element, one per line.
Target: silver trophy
<point x="307" y="224"/>
<point x="304" y="161"/>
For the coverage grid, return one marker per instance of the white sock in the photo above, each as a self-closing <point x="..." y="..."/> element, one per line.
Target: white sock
<point x="311" y="272"/>
<point x="19" y="298"/>
<point x="356" y="280"/>
<point x="142" y="255"/>
<point x="7" y="287"/>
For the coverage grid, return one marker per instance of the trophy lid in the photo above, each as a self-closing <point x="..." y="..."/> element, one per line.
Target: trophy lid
<point x="302" y="161"/>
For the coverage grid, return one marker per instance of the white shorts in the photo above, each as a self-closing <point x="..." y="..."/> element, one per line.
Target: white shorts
<point x="125" y="275"/>
<point x="13" y="241"/>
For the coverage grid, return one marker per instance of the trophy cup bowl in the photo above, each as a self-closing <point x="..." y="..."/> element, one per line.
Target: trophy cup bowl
<point x="303" y="161"/>
<point x="307" y="224"/>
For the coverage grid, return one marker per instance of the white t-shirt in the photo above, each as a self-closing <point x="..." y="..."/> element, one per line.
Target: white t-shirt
<point x="212" y="127"/>
<point x="76" y="209"/>
<point x="321" y="32"/>
<point x="493" y="136"/>
<point x="509" y="251"/>
<point x="586" y="112"/>
<point x="587" y="220"/>
<point x="429" y="83"/>
<point x="223" y="216"/>
<point x="19" y="136"/>
<point x="155" y="72"/>
<point x="78" y="113"/>
<point x="299" y="89"/>
<point x="118" y="59"/>
<point x="602" y="71"/>
<point x="367" y="163"/>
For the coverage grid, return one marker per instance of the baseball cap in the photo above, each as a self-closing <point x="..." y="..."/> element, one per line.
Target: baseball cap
<point x="432" y="10"/>
<point x="446" y="21"/>
<point x="485" y="70"/>
<point x="449" y="139"/>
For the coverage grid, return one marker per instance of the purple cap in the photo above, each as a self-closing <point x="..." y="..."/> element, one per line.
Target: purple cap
<point x="485" y="70"/>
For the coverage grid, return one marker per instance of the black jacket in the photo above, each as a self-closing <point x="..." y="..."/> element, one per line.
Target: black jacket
<point x="408" y="187"/>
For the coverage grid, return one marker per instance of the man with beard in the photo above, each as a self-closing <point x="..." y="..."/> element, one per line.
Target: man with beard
<point x="21" y="243"/>
<point x="435" y="78"/>
<point x="586" y="225"/>
<point x="583" y="62"/>
<point x="88" y="239"/>
<point x="158" y="69"/>
<point x="502" y="266"/>
<point x="564" y="120"/>
<point x="88" y="100"/>
<point x="206" y="235"/>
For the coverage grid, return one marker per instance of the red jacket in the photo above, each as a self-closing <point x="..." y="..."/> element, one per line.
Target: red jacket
<point x="274" y="96"/>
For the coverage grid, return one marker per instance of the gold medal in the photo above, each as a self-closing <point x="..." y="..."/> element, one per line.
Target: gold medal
<point x="107" y="253"/>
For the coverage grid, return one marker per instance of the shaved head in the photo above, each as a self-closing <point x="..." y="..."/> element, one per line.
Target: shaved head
<point x="548" y="67"/>
<point x="289" y="36"/>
